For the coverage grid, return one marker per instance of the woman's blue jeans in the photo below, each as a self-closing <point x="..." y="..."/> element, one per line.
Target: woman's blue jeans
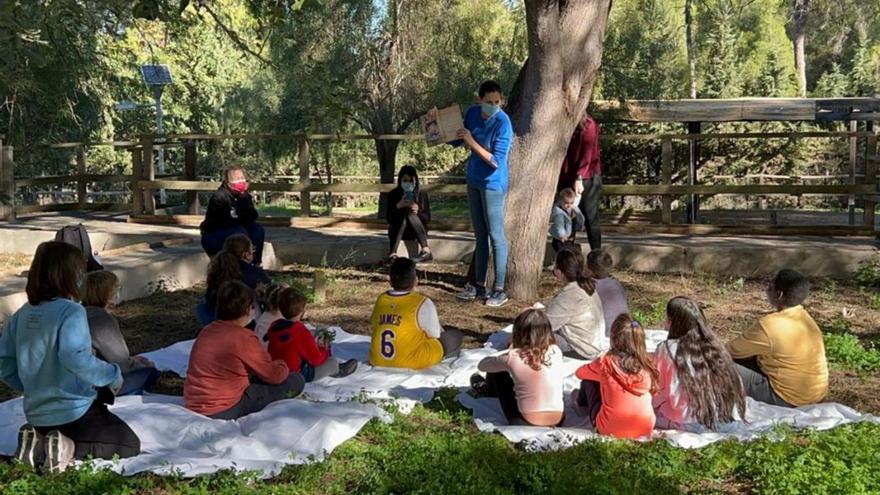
<point x="487" y="216"/>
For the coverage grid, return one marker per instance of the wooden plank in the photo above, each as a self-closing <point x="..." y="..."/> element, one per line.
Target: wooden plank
<point x="693" y="202"/>
<point x="189" y="160"/>
<point x="715" y="110"/>
<point x="66" y="179"/>
<point x="305" y="199"/>
<point x="81" y="191"/>
<point x="612" y="189"/>
<point x="666" y="179"/>
<point x="74" y="207"/>
<point x="7" y="184"/>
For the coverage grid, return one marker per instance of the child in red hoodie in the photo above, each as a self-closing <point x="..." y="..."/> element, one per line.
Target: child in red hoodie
<point x="290" y="341"/>
<point x="617" y="387"/>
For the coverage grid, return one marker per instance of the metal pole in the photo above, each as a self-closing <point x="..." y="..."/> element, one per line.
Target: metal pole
<point x="160" y="130"/>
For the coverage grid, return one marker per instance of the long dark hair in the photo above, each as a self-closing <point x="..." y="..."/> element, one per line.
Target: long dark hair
<point x="57" y="270"/>
<point x="705" y="368"/>
<point x="628" y="344"/>
<point x="410" y="171"/>
<point x="570" y="263"/>
<point x="532" y="337"/>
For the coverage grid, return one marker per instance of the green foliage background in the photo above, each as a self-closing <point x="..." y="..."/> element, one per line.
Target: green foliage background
<point x="366" y="66"/>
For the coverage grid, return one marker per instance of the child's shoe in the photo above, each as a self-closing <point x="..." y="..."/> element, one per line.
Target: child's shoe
<point x="346" y="368"/>
<point x="31" y="449"/>
<point x="472" y="292"/>
<point x="59" y="452"/>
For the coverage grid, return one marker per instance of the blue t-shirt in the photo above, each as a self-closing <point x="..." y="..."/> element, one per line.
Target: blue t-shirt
<point x="46" y="353"/>
<point x="495" y="135"/>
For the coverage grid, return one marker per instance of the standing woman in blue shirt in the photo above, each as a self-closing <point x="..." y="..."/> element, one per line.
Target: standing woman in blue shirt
<point x="46" y="354"/>
<point x="488" y="133"/>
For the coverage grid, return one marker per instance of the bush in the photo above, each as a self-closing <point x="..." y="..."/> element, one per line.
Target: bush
<point x="846" y="351"/>
<point x="868" y="274"/>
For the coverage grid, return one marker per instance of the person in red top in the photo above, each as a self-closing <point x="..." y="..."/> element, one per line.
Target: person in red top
<point x="293" y="343"/>
<point x="582" y="171"/>
<point x="617" y="387"/>
<point x="230" y="375"/>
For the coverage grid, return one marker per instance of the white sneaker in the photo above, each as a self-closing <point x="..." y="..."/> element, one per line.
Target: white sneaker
<point x="59" y="452"/>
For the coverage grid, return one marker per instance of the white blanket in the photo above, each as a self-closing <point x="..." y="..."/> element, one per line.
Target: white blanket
<point x="175" y="440"/>
<point x="760" y="418"/>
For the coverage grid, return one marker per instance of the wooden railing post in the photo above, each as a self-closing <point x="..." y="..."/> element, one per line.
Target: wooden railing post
<point x="81" y="192"/>
<point x="871" y="160"/>
<point x="666" y="179"/>
<point x="693" y="201"/>
<point x="853" y="161"/>
<point x="7" y="184"/>
<point x="148" y="167"/>
<point x="190" y="155"/>
<point x="305" y="200"/>
<point x="137" y="171"/>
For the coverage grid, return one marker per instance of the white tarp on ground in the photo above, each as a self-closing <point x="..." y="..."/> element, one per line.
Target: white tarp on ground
<point x="175" y="440"/>
<point x="760" y="418"/>
<point x="293" y="431"/>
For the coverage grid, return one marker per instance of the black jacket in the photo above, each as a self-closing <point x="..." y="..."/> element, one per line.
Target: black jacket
<point x="395" y="216"/>
<point x="226" y="210"/>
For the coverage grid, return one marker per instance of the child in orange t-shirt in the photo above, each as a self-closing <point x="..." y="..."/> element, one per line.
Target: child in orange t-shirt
<point x="616" y="388"/>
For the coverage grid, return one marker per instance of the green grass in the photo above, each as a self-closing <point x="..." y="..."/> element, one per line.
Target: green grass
<point x="652" y="316"/>
<point x="846" y="351"/>
<point x="436" y="450"/>
<point x="440" y="208"/>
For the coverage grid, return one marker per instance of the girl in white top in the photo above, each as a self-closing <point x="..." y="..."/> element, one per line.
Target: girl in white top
<point x="527" y="379"/>
<point x="576" y="312"/>
<point x="270" y="313"/>
<point x="699" y="386"/>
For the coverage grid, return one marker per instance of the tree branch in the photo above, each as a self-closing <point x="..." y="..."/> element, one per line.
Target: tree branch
<point x="232" y="34"/>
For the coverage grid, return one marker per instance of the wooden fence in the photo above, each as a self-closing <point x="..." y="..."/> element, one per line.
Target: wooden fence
<point x="143" y="181"/>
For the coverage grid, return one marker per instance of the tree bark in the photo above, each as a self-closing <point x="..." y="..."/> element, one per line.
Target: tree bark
<point x="386" y="151"/>
<point x="691" y="47"/>
<point x="797" y="31"/>
<point x="566" y="38"/>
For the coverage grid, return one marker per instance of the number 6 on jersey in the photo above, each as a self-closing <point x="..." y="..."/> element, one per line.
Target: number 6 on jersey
<point x="388" y="343"/>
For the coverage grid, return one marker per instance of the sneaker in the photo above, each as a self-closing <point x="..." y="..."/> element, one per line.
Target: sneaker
<point x="346" y="368"/>
<point x="469" y="293"/>
<point x="59" y="452"/>
<point x="496" y="299"/>
<point x="424" y="257"/>
<point x="480" y="386"/>
<point x="30" y="448"/>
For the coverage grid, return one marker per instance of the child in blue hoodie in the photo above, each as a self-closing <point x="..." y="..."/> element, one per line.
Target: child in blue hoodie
<point x="46" y="354"/>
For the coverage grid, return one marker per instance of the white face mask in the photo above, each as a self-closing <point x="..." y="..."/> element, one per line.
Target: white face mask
<point x="408" y="186"/>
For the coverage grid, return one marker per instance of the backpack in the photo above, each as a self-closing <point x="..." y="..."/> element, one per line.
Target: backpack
<point x="76" y="235"/>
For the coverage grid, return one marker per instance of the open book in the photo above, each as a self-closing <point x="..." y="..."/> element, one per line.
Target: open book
<point x="441" y="128"/>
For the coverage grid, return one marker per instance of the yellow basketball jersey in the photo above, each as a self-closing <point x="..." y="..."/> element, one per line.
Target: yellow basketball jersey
<point x="398" y="340"/>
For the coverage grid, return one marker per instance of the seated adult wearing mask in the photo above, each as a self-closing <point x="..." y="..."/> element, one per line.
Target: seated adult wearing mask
<point x="231" y="211"/>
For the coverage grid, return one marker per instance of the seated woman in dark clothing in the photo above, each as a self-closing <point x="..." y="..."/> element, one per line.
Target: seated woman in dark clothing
<point x="231" y="211"/>
<point x="408" y="214"/>
<point x="233" y="263"/>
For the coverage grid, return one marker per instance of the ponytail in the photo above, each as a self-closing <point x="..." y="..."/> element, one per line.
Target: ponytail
<point x="570" y="263"/>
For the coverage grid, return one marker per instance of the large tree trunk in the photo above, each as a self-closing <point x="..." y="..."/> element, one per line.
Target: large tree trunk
<point x="797" y="31"/>
<point x="386" y="152"/>
<point x="691" y="47"/>
<point x="552" y="92"/>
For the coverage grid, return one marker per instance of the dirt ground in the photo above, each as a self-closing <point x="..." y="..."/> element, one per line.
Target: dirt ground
<point x="730" y="304"/>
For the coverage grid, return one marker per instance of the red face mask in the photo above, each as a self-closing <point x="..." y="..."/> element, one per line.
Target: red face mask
<point x="239" y="187"/>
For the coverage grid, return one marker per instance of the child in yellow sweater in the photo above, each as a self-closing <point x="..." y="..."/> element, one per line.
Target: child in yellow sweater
<point x="781" y="358"/>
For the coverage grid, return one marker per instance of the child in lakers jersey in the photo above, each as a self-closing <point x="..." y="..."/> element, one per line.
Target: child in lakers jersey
<point x="406" y="328"/>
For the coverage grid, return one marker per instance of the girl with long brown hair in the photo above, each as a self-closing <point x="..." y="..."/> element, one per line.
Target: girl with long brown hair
<point x="616" y="388"/>
<point x="233" y="263"/>
<point x="527" y="379"/>
<point x="575" y="313"/>
<point x="699" y="384"/>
